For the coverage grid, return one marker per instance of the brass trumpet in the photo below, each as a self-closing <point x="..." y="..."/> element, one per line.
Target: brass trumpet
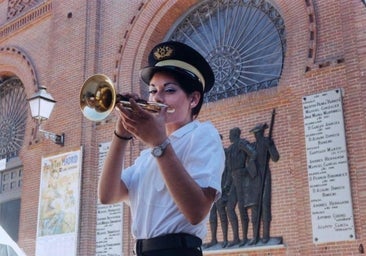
<point x="98" y="98"/>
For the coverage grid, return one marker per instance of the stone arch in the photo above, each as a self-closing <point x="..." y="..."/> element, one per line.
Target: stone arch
<point x="18" y="80"/>
<point x="148" y="27"/>
<point x="15" y="62"/>
<point x="152" y="21"/>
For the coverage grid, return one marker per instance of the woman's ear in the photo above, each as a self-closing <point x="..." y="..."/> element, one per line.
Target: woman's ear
<point x="195" y="98"/>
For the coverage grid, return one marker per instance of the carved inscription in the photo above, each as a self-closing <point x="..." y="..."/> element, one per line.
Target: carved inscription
<point x="327" y="165"/>
<point x="109" y="221"/>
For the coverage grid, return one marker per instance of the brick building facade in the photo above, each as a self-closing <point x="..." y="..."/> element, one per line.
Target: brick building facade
<point x="58" y="44"/>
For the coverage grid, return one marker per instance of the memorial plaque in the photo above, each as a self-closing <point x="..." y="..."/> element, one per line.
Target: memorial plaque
<point x="327" y="165"/>
<point x="109" y="220"/>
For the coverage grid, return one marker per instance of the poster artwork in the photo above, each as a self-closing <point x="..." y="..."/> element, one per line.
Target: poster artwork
<point x="59" y="198"/>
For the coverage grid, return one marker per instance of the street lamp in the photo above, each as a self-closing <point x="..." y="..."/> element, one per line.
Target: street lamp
<point x="41" y="105"/>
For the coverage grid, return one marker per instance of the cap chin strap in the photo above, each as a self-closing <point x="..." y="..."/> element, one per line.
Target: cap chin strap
<point x="183" y="65"/>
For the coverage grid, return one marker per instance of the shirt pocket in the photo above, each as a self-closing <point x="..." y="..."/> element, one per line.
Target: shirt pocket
<point x="153" y="190"/>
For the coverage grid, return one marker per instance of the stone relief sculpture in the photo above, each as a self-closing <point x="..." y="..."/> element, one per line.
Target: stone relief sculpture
<point x="239" y="155"/>
<point x="266" y="150"/>
<point x="240" y="159"/>
<point x="219" y="208"/>
<point x="247" y="184"/>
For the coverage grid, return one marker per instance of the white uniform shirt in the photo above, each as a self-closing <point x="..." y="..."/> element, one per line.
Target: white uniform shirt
<point x="154" y="213"/>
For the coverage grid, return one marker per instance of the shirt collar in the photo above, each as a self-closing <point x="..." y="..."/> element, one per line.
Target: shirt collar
<point x="185" y="129"/>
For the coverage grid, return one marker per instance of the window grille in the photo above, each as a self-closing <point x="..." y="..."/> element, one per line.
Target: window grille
<point x="244" y="42"/>
<point x="13" y="116"/>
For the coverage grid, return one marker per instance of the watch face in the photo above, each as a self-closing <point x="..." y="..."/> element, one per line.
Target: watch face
<point x="157" y="151"/>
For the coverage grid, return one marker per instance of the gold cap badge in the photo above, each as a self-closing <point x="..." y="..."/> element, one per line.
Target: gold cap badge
<point x="163" y="52"/>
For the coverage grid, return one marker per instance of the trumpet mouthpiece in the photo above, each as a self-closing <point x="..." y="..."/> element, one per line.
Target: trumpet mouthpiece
<point x="159" y="106"/>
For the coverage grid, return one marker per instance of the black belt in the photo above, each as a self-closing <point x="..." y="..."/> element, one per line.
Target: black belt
<point x="171" y="241"/>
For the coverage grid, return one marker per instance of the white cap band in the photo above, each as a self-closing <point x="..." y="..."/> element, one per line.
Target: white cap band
<point x="182" y="65"/>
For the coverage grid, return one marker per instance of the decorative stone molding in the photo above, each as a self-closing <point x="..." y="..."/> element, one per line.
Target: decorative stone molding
<point x="17" y="53"/>
<point x="312" y="64"/>
<point x="38" y="12"/>
<point x="17" y="7"/>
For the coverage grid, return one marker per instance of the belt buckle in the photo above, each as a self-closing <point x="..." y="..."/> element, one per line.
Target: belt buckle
<point x="137" y="247"/>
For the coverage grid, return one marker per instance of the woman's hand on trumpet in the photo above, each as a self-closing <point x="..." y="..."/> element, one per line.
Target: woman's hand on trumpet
<point x="144" y="125"/>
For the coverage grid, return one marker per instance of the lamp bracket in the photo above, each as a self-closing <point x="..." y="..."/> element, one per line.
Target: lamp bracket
<point x="57" y="139"/>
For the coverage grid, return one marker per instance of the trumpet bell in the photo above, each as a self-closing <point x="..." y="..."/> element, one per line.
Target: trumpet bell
<point x="97" y="97"/>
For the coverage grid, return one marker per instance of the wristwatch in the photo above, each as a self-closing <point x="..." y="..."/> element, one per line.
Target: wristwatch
<point x="158" y="151"/>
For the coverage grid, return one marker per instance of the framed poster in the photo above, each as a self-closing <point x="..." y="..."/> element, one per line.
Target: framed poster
<point x="58" y="211"/>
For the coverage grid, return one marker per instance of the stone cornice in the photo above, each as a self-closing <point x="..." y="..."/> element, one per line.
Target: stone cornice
<point x="34" y="14"/>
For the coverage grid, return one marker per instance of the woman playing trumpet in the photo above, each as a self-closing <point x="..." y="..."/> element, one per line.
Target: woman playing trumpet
<point x="173" y="183"/>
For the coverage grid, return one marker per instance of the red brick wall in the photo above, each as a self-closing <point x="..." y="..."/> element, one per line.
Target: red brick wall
<point x="326" y="49"/>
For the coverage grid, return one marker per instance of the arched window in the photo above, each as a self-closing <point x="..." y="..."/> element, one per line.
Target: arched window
<point x="13" y="116"/>
<point x="244" y="42"/>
